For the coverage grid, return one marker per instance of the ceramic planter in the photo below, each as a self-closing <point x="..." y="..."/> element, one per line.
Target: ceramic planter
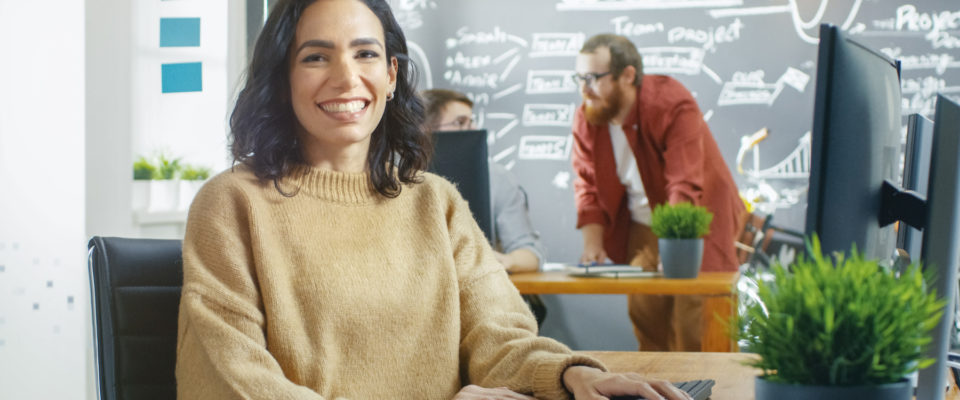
<point x="766" y="390"/>
<point x="188" y="189"/>
<point x="681" y="258"/>
<point x="141" y="195"/>
<point x="164" y="195"/>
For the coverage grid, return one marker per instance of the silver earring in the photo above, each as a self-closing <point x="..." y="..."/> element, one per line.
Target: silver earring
<point x="389" y="96"/>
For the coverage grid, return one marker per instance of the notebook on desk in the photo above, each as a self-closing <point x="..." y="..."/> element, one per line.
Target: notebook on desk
<point x="609" y="271"/>
<point x="698" y="389"/>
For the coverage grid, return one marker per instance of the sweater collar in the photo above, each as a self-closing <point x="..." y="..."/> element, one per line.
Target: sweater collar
<point x="341" y="187"/>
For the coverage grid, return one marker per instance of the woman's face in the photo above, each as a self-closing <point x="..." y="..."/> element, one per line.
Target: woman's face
<point x="340" y="78"/>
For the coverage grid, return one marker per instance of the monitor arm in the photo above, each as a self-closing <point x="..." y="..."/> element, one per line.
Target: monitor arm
<point x="897" y="204"/>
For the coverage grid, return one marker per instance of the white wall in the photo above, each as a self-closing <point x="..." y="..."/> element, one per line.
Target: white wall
<point x="68" y="133"/>
<point x="189" y="125"/>
<point x="108" y="127"/>
<point x="43" y="294"/>
<point x="129" y="116"/>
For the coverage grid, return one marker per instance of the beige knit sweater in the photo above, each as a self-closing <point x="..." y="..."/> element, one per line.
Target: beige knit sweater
<point x="338" y="292"/>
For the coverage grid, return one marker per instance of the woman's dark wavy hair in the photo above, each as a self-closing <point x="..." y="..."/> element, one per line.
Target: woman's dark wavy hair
<point x="263" y="125"/>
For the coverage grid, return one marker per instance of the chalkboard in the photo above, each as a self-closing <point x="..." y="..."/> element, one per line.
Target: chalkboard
<point x="750" y="64"/>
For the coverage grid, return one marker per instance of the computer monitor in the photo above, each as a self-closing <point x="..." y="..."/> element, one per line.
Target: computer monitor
<point x="855" y="146"/>
<point x="461" y="157"/>
<point x="854" y="156"/>
<point x="916" y="168"/>
<point x="941" y="237"/>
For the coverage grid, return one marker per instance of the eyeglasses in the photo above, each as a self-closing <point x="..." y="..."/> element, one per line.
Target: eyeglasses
<point x="461" y="123"/>
<point x="589" y="78"/>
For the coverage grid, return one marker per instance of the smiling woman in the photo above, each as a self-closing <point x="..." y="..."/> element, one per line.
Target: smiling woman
<point x="298" y="63"/>
<point x="340" y="82"/>
<point x="327" y="264"/>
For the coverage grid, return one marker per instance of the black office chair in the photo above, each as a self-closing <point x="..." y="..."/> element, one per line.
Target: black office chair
<point x="135" y="293"/>
<point x="754" y="240"/>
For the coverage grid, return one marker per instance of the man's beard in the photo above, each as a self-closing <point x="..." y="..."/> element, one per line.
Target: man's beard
<point x="602" y="114"/>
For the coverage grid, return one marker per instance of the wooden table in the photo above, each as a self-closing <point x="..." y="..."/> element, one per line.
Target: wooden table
<point x="717" y="288"/>
<point x="735" y="381"/>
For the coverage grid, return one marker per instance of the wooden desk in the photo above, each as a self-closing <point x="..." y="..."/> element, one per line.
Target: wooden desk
<point x="717" y="288"/>
<point x="735" y="381"/>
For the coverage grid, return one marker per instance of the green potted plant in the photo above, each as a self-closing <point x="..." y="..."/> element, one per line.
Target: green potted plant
<point x="164" y="189"/>
<point x="194" y="173"/>
<point x="143" y="172"/>
<point x="143" y="169"/>
<point x="839" y="328"/>
<point x="167" y="168"/>
<point x="680" y="229"/>
<point x="192" y="178"/>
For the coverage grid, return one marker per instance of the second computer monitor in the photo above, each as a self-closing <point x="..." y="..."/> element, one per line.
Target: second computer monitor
<point x="916" y="173"/>
<point x="941" y="233"/>
<point x="461" y="157"/>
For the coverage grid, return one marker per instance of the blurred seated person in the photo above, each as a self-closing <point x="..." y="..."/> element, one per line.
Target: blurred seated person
<point x="518" y="243"/>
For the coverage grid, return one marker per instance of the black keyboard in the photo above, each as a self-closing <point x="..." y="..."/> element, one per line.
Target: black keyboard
<point x="699" y="390"/>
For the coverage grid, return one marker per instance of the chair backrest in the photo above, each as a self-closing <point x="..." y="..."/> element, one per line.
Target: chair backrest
<point x="755" y="236"/>
<point x="135" y="293"/>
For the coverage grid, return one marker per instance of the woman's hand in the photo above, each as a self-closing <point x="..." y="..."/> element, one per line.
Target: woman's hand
<point x="474" y="392"/>
<point x="594" y="384"/>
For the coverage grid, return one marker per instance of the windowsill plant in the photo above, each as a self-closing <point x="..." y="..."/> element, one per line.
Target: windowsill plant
<point x="165" y="184"/>
<point x="191" y="179"/>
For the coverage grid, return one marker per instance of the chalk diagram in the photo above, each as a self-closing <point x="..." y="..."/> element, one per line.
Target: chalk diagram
<point x="923" y="73"/>
<point x="938" y="27"/>
<point x="749" y="88"/>
<point x="407" y="12"/>
<point x="482" y="64"/>
<point x="422" y="64"/>
<point x="721" y="9"/>
<point x="487" y="63"/>
<point x="920" y="94"/>
<point x="408" y="15"/>
<point x="792" y="172"/>
<point x="800" y="24"/>
<point x="483" y="77"/>
<point x="613" y="5"/>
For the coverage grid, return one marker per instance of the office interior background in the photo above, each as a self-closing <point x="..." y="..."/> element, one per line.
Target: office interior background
<point x="86" y="87"/>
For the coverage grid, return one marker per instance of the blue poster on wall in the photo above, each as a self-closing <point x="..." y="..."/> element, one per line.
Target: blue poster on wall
<point x="179" y="32"/>
<point x="182" y="77"/>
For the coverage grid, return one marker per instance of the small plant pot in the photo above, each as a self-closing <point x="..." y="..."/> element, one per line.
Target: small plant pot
<point x="681" y="258"/>
<point x="164" y="195"/>
<point x="767" y="390"/>
<point x="141" y="195"/>
<point x="188" y="189"/>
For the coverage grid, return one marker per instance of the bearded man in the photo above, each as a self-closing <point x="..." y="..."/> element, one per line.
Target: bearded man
<point x="639" y="141"/>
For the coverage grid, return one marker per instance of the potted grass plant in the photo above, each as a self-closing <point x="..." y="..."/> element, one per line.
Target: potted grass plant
<point x="192" y="178"/>
<point x="680" y="229"/>
<point x="143" y="169"/>
<point x="164" y="189"/>
<point x="839" y="328"/>
<point x="143" y="172"/>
